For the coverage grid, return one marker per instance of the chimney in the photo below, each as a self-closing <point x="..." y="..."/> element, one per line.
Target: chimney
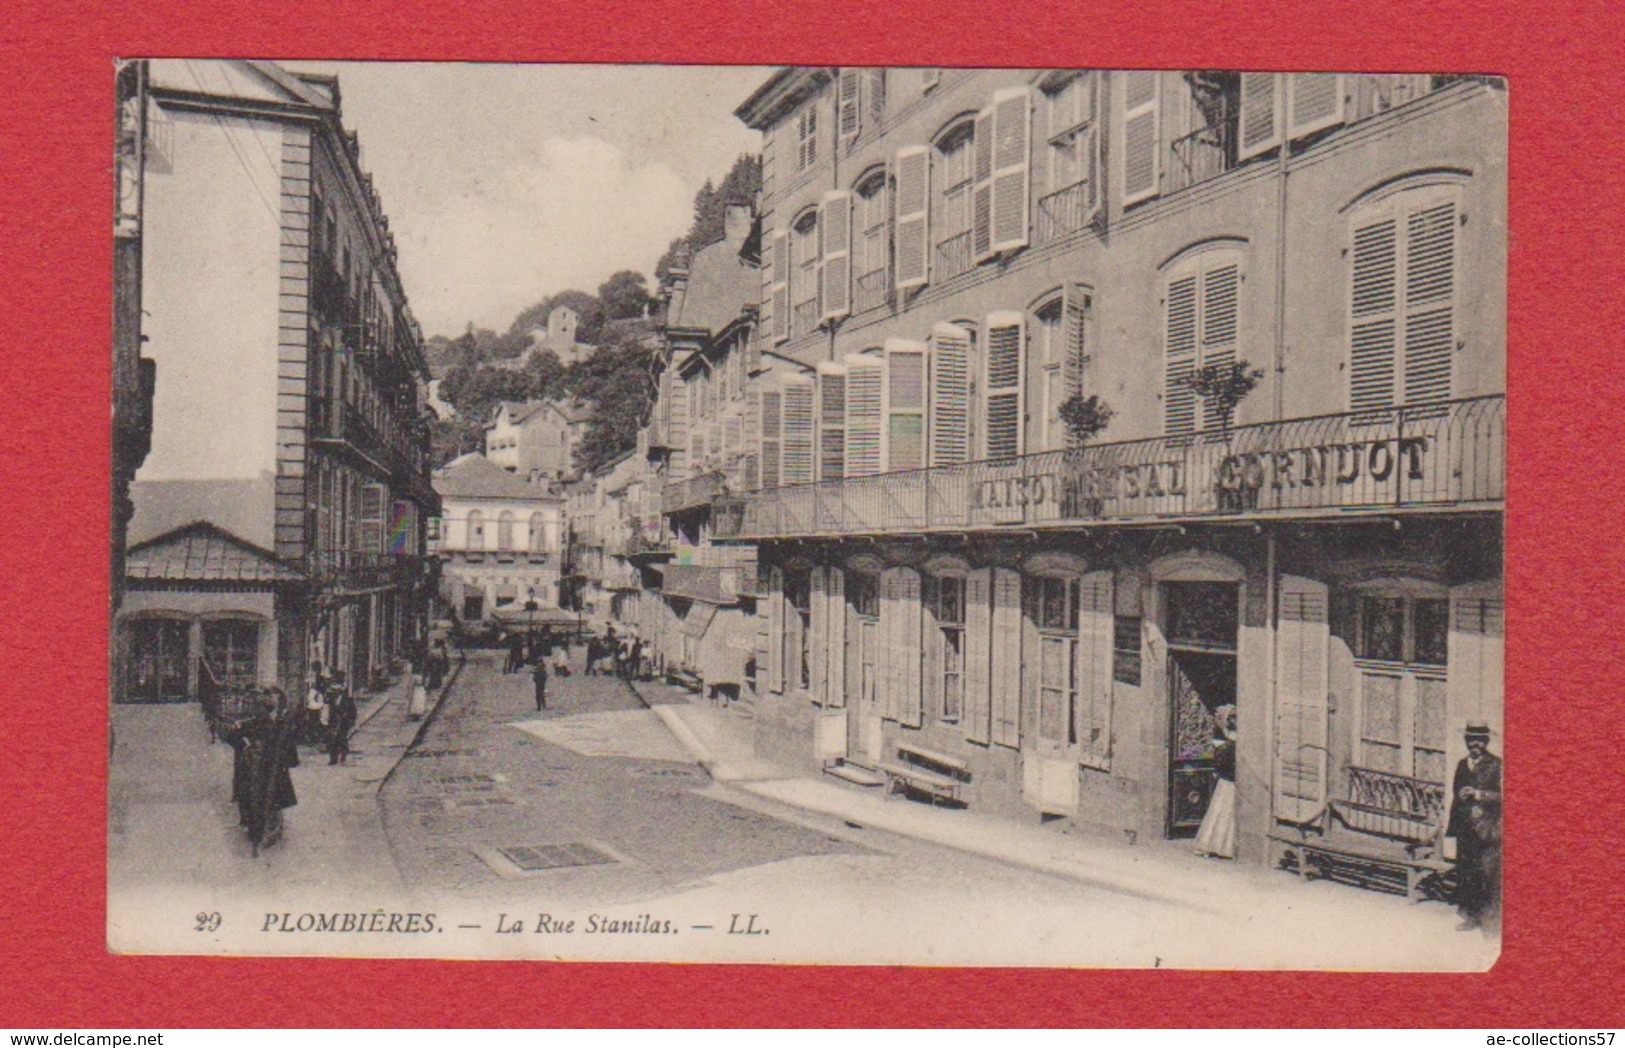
<point x="676" y="287"/>
<point x="736" y="223"/>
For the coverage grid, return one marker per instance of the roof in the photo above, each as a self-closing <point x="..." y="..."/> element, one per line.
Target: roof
<point x="720" y="286"/>
<point x="518" y="410"/>
<point x="477" y="477"/>
<point x="573" y="410"/>
<point x="204" y="552"/>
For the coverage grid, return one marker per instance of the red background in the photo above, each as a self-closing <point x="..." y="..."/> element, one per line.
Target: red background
<point x="1564" y="885"/>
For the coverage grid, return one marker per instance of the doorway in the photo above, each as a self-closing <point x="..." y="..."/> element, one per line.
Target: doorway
<point x="1201" y="621"/>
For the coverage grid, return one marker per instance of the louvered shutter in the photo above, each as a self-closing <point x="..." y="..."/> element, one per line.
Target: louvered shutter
<point x="1373" y="322"/>
<point x="1476" y="652"/>
<point x="836" y="221"/>
<point x="982" y="186"/>
<point x="1430" y="294"/>
<point x="888" y="628"/>
<point x="831" y="421"/>
<point x="1004" y="342"/>
<point x="781" y="285"/>
<point x="797" y="456"/>
<point x="905" y="404"/>
<point x="1220" y="292"/>
<point x="1142" y="135"/>
<point x="1074" y="339"/>
<point x="1179" y="343"/>
<point x="1094" y="670"/>
<point x="371" y="531"/>
<point x="978" y="652"/>
<point x="678" y="437"/>
<point x="775" y="630"/>
<point x="1006" y="657"/>
<point x="950" y="395"/>
<point x="1302" y="638"/>
<point x="818" y="634"/>
<point x="865" y="416"/>
<point x="1012" y="162"/>
<point x="913" y="204"/>
<point x="1260" y="113"/>
<point x="753" y="439"/>
<point x="772" y="438"/>
<point x="847" y="113"/>
<point x="732" y="439"/>
<point x="834" y="653"/>
<point x="908" y="646"/>
<point x="1313" y="101"/>
<point x="931" y="644"/>
<point x="1094" y="145"/>
<point x="876" y="89"/>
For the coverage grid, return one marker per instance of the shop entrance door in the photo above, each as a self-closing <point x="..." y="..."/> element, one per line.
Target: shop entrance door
<point x="158" y="664"/>
<point x="1200" y="621"/>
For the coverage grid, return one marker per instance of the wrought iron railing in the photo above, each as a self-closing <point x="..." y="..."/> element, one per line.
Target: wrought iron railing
<point x="695" y="491"/>
<point x="1392" y="804"/>
<point x="1205" y="153"/>
<point x="953" y="257"/>
<point x="1063" y="211"/>
<point x="872" y="291"/>
<point x="1435" y="455"/>
<point x="805" y="318"/>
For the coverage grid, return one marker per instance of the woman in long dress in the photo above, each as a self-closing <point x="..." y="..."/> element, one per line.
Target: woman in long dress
<point x="1217" y="836"/>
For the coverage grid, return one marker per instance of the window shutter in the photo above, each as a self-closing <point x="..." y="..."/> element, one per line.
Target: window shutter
<point x="1475" y="651"/>
<point x="913" y="202"/>
<point x="1094" y="146"/>
<point x="1094" y="673"/>
<point x="781" y="285"/>
<point x="905" y="404"/>
<point x="797" y="454"/>
<point x="1260" y="113"/>
<point x="1006" y="657"/>
<point x="978" y="652"/>
<point x="831" y="421"/>
<point x="865" y="409"/>
<point x="982" y="186"/>
<point x="775" y="630"/>
<point x="1314" y="101"/>
<point x="772" y="437"/>
<point x="1302" y="638"/>
<point x="889" y="627"/>
<point x="834" y="653"/>
<point x="876" y="88"/>
<point x="1012" y="154"/>
<point x="1430" y="294"/>
<point x="836" y="220"/>
<point x="930" y="646"/>
<point x="950" y="355"/>
<point x="908" y="646"/>
<point x="1220" y="288"/>
<point x="1179" y="343"/>
<point x="1074" y="339"/>
<point x="818" y="629"/>
<point x="371" y="532"/>
<point x="1142" y="135"/>
<point x="847" y="116"/>
<point x="679" y="426"/>
<point x="1373" y="320"/>
<point x="1004" y="344"/>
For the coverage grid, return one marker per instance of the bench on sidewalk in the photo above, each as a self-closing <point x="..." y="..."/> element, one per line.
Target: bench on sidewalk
<point x="940" y="776"/>
<point x="1387" y="834"/>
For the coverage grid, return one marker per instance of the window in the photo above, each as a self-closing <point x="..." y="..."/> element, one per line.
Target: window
<point x="538" y="534"/>
<point x="872" y="243"/>
<point x="945" y="597"/>
<point x="807" y="137"/>
<point x="1201" y="313"/>
<point x="231" y="650"/>
<point x="1072" y="190"/>
<point x="863" y="591"/>
<point x="476" y="530"/>
<point x="1049" y="355"/>
<point x="1402" y="333"/>
<point x="953" y="216"/>
<point x="1052" y="607"/>
<point x="805" y="251"/>
<point x="505" y="530"/>
<point x="1401" y="643"/>
<point x="1126" y="649"/>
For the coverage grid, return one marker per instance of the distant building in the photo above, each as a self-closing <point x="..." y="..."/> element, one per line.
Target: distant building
<point x="560" y="336"/>
<point x="441" y="408"/>
<point x="500" y="539"/>
<point x="280" y="516"/>
<point x="536" y="438"/>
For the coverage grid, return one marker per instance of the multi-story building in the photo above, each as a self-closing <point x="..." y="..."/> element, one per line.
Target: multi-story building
<point x="279" y="517"/>
<point x="501" y="539"/>
<point x="537" y="438"/>
<point x="713" y="361"/>
<point x="607" y="537"/>
<point x="1045" y="621"/>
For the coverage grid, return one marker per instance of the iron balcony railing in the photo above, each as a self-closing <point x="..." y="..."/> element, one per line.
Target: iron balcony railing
<point x="873" y="290"/>
<point x="953" y="257"/>
<point x="1445" y="454"/>
<point x="1063" y="211"/>
<point x="805" y="318"/>
<point x="355" y="568"/>
<point x="1205" y="153"/>
<point x="679" y="495"/>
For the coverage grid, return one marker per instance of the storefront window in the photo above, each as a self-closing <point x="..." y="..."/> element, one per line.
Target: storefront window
<point x="1126" y="649"/>
<point x="1052" y="604"/>
<point x="945" y="596"/>
<point x="1401" y="648"/>
<point x="1203" y="615"/>
<point x="231" y="651"/>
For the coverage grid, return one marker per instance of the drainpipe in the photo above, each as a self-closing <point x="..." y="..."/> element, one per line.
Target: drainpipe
<point x="1278" y="364"/>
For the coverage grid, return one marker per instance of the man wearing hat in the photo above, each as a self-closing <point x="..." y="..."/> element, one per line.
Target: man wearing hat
<point x="1475" y="822"/>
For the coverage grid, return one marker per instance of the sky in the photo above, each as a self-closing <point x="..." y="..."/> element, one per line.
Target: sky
<point x="506" y="183"/>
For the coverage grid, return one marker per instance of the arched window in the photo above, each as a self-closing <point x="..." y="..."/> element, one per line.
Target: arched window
<point x="505" y="530"/>
<point x="805" y="253"/>
<point x="538" y="534"/>
<point x="1201" y="328"/>
<point x="951" y="222"/>
<point x="871" y="246"/>
<point x="476" y="530"/>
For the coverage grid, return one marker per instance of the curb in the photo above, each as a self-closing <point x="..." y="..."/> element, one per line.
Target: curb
<point x="423" y="726"/>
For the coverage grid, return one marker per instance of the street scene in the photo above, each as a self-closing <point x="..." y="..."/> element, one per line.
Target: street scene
<point x="981" y="517"/>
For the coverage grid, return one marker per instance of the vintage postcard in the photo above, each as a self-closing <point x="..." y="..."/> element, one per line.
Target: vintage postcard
<point x="841" y="515"/>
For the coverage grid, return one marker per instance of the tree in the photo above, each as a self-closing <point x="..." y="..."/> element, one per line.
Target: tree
<point x="1223" y="387"/>
<point x="1085" y="417"/>
<point x="626" y="294"/>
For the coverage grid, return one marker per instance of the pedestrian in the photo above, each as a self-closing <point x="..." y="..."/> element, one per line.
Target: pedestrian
<point x="637" y="658"/>
<point x="1217" y="836"/>
<point x="261" y="785"/>
<point x="538" y="677"/>
<point x="1475" y="823"/>
<point x="439" y="665"/>
<point x="546" y="642"/>
<point x="516" y="654"/>
<point x="341" y="720"/>
<point x="317" y="711"/>
<point x="419" y="704"/>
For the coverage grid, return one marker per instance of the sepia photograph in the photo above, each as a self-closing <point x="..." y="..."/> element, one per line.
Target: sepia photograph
<point x="808" y="515"/>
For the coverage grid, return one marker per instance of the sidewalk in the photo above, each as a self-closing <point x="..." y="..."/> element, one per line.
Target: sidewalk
<point x="721" y="740"/>
<point x="173" y="828"/>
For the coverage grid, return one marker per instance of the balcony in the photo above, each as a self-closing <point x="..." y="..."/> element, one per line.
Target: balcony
<point x="1063" y="211"/>
<point x="871" y="291"/>
<point x="680" y="495"/>
<point x="1450" y="455"/>
<point x="1205" y="153"/>
<point x="805" y="318"/>
<point x="353" y="570"/>
<point x="953" y="257"/>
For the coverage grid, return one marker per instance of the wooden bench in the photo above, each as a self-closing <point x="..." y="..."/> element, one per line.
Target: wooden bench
<point x="939" y="776"/>
<point x="1387" y="834"/>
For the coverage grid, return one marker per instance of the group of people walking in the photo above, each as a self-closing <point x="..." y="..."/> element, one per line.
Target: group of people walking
<point x="622" y="656"/>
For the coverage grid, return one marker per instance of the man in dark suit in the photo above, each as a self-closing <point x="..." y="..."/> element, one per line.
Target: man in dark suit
<point x="1475" y="823"/>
